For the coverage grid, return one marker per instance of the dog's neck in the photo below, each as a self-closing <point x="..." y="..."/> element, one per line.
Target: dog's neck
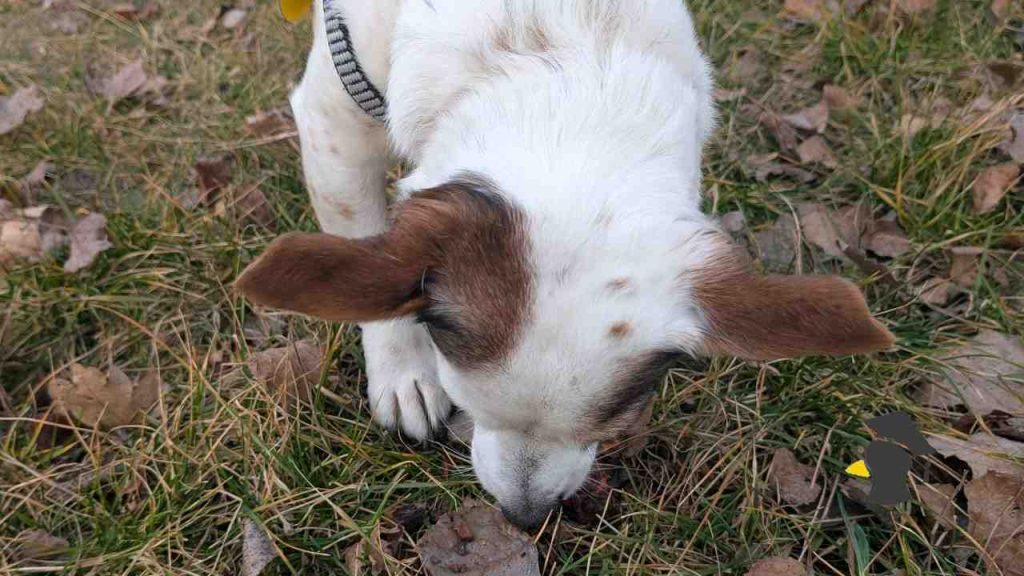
<point x="554" y="103"/>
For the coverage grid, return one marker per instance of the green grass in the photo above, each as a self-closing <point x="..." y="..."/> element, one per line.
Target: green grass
<point x="173" y="492"/>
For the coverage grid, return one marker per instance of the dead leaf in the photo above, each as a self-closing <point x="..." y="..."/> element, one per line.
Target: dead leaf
<point x="992" y="185"/>
<point x="733" y="222"/>
<point x="1000" y="9"/>
<point x="31" y="234"/>
<point x="996" y="509"/>
<point x="15" y="109"/>
<point x="251" y="204"/>
<point x="838" y="98"/>
<point x="831" y="229"/>
<point x="133" y="13"/>
<point x="815" y="150"/>
<point x="911" y="124"/>
<point x="212" y="174"/>
<point x="266" y="123"/>
<point x="88" y="240"/>
<point x="746" y="63"/>
<point x="126" y="82"/>
<point x="937" y="500"/>
<point x="289" y="372"/>
<point x="963" y="269"/>
<point x="785" y="135"/>
<point x="105" y="400"/>
<point x="817" y="224"/>
<point x="793" y="482"/>
<point x="777" y="567"/>
<point x="39" y="545"/>
<point x="19" y="240"/>
<point x="777" y="245"/>
<point x="766" y="165"/>
<point x="68" y="21"/>
<point x="813" y="119"/>
<point x="914" y="7"/>
<point x="885" y="238"/>
<point x="985" y="373"/>
<point x="477" y="541"/>
<point x="935" y="291"/>
<point x="257" y="548"/>
<point x="35" y="178"/>
<point x="233" y="18"/>
<point x="982" y="452"/>
<point x="810" y="10"/>
<point x="1013" y="146"/>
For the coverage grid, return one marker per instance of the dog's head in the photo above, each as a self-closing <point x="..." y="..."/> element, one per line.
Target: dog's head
<point x="554" y="338"/>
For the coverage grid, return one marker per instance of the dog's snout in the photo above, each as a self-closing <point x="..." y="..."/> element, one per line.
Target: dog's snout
<point x="527" y="518"/>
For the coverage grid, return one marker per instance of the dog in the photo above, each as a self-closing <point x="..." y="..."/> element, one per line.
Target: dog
<point x="546" y="260"/>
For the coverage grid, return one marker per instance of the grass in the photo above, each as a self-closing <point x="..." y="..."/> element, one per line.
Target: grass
<point x="169" y="496"/>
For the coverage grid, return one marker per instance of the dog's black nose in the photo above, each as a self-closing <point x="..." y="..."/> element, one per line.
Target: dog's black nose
<point x="527" y="518"/>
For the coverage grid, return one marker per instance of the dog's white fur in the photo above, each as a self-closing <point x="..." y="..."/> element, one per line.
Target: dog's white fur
<point x="598" y="141"/>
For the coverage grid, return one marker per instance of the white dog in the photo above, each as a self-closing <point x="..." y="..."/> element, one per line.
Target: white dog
<point x="547" y="258"/>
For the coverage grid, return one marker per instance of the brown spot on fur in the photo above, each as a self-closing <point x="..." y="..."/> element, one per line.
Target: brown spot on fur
<point x="619" y="284"/>
<point x="456" y="255"/>
<point x="343" y="208"/>
<point x="620" y="330"/>
<point x="770" y="317"/>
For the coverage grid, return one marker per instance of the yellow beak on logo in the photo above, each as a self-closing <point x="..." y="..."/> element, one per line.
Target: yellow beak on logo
<point x="295" y="10"/>
<point x="858" y="469"/>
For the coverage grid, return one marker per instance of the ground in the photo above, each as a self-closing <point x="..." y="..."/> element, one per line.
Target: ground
<point x="171" y="493"/>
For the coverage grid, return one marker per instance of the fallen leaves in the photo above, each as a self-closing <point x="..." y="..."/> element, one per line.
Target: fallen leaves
<point x="269" y="123"/>
<point x="289" y="372"/>
<point x="815" y="150"/>
<point x="992" y="185"/>
<point x="777" y="245"/>
<point x="477" y="541"/>
<point x="88" y="240"/>
<point x="1013" y="146"/>
<point x="839" y="98"/>
<point x="812" y="119"/>
<point x="777" y="567"/>
<point x="16" y="108"/>
<point x="982" y="452"/>
<point x="938" y="501"/>
<point x="33" y="233"/>
<point x="39" y="545"/>
<point x="837" y="232"/>
<point x="811" y="10"/>
<point x="915" y="7"/>
<point x="257" y="548"/>
<point x="130" y="81"/>
<point x="996" y="510"/>
<point x="107" y="400"/>
<point x="793" y="481"/>
<point x="985" y="373"/>
<point x="30" y="234"/>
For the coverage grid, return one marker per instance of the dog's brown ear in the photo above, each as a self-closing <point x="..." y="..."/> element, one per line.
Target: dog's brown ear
<point x="381" y="277"/>
<point x="340" y="279"/>
<point x="760" y="317"/>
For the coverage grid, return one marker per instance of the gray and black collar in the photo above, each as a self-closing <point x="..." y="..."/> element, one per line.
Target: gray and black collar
<point x="358" y="86"/>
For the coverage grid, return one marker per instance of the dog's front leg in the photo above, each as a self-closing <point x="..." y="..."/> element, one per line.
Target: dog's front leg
<point x="345" y="159"/>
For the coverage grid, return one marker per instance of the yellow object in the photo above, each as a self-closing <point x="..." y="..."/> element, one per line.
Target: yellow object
<point x="295" y="10"/>
<point x="859" y="469"/>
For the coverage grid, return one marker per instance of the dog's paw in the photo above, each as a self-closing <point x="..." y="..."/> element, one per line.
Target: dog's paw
<point x="403" y="387"/>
